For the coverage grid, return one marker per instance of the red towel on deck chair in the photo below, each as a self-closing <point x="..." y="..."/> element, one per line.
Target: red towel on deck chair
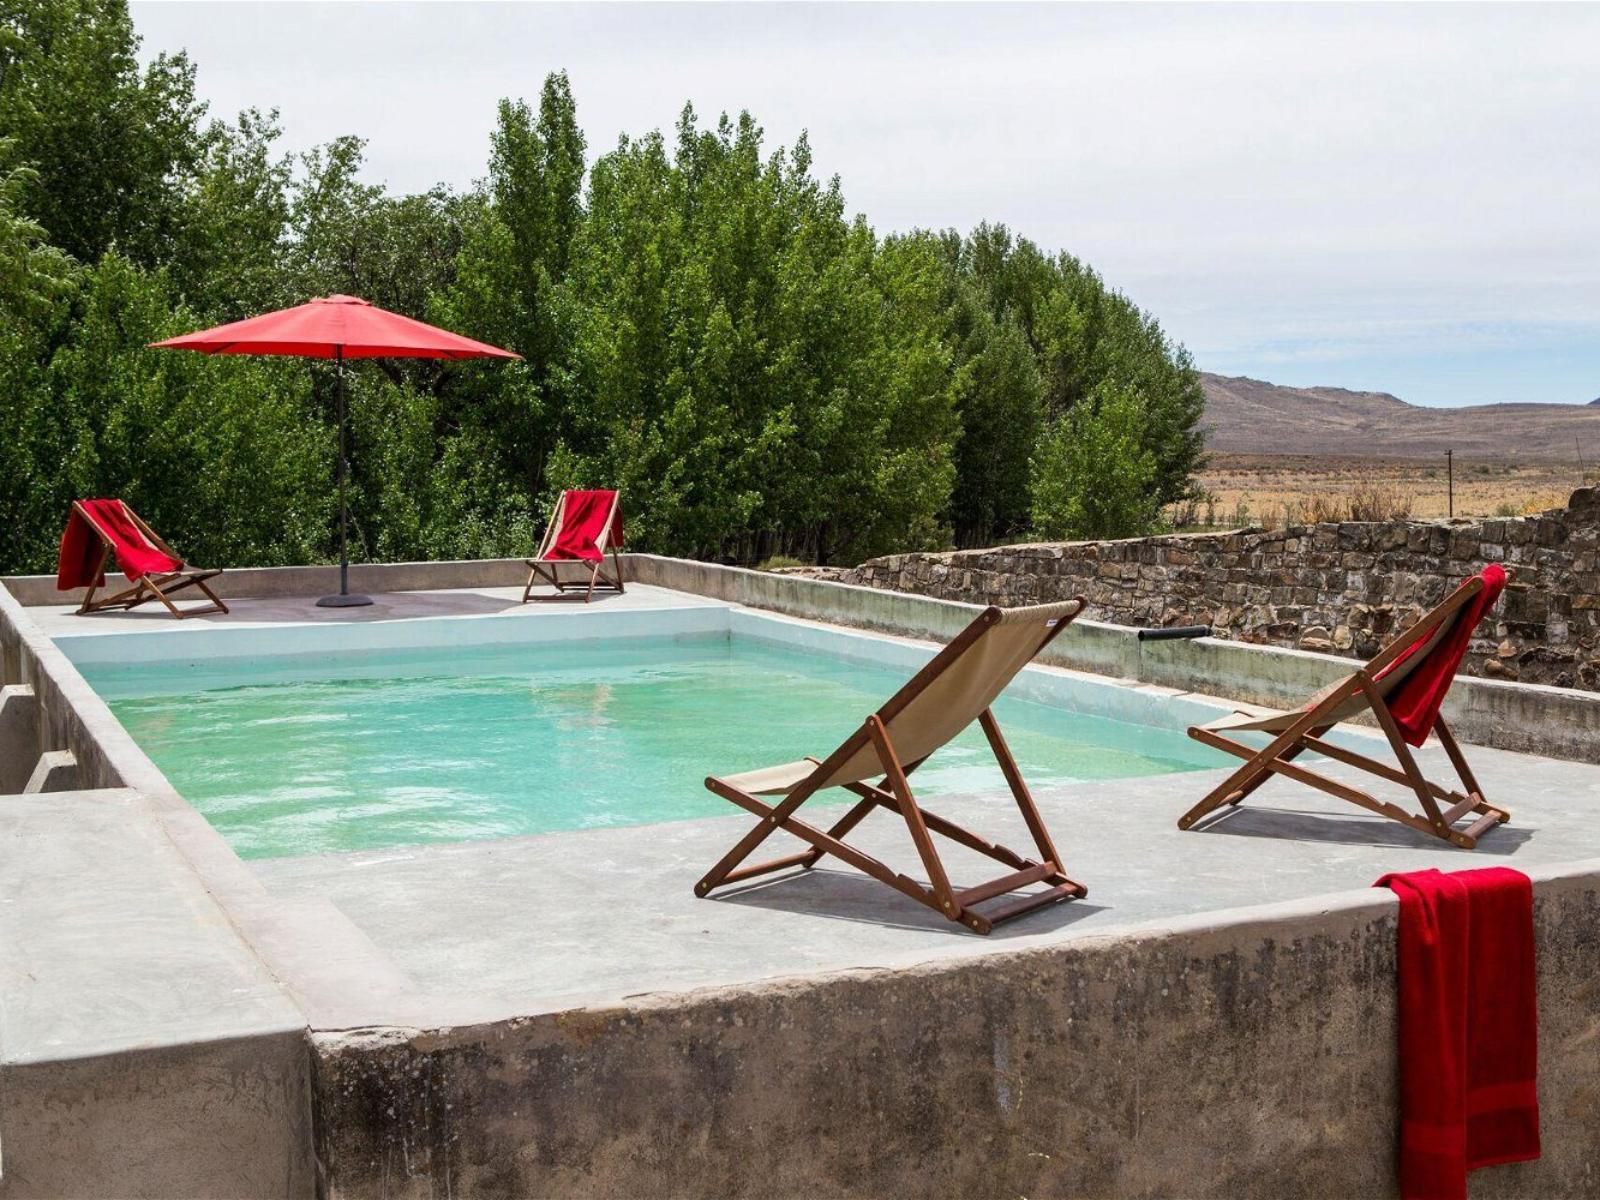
<point x="1415" y="703"/>
<point x="1468" y="1027"/>
<point x="582" y="522"/>
<point x="78" y="564"/>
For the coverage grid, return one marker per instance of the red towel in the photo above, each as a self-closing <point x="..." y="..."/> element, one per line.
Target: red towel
<point x="1468" y="1027"/>
<point x="78" y="564"/>
<point x="582" y="522"/>
<point x="1415" y="703"/>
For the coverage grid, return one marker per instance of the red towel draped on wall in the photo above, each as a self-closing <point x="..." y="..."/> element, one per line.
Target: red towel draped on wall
<point x="78" y="564"/>
<point x="582" y="522"/>
<point x="1415" y="703"/>
<point x="1468" y="1027"/>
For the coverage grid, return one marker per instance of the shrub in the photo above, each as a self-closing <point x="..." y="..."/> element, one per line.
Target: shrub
<point x="1374" y="502"/>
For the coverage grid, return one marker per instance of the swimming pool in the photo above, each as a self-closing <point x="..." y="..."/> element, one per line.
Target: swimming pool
<point x="291" y="754"/>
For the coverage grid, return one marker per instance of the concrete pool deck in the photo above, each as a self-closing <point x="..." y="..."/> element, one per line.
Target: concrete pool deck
<point x="520" y="926"/>
<point x="559" y="1015"/>
<point x="63" y="620"/>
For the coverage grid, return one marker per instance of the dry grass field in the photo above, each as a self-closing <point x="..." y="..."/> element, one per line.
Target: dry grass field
<point x="1279" y="489"/>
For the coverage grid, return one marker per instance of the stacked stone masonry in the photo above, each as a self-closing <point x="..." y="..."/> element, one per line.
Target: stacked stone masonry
<point x="1341" y="588"/>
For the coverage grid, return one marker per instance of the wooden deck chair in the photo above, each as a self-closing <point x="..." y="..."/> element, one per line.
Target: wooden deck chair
<point x="955" y="688"/>
<point x="584" y="525"/>
<point x="1402" y="687"/>
<point x="100" y="531"/>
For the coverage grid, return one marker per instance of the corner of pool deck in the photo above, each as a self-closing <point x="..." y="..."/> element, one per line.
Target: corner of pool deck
<point x="559" y="1015"/>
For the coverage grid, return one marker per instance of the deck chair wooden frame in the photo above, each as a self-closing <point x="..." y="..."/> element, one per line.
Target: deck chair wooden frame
<point x="542" y="569"/>
<point x="892" y="792"/>
<point x="1367" y="689"/>
<point x="160" y="587"/>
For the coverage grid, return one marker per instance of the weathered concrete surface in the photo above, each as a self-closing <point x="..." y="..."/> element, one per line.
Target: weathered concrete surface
<point x="1233" y="1057"/>
<point x="312" y="581"/>
<point x="275" y="612"/>
<point x="616" y="915"/>
<point x="56" y="771"/>
<point x="144" y="1048"/>
<point x="19" y="735"/>
<point x="213" y="1119"/>
<point x="1490" y="712"/>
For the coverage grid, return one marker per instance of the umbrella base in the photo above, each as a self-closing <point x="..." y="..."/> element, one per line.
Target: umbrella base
<point x="345" y="601"/>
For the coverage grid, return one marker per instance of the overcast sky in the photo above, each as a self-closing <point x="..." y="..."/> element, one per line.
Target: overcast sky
<point x="1394" y="198"/>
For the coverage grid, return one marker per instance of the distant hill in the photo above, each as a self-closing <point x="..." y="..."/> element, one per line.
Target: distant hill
<point x="1249" y="416"/>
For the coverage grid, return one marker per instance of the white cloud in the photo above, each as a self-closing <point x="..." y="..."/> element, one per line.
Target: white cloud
<point x="1350" y="184"/>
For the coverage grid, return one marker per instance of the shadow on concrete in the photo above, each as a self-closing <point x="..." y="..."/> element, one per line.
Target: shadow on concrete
<point x="1312" y="826"/>
<point x="848" y="896"/>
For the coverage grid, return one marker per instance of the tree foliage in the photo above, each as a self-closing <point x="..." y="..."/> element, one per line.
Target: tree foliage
<point x="702" y="323"/>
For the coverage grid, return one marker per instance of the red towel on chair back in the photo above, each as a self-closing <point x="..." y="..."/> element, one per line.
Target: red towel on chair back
<point x="1468" y="1027"/>
<point x="81" y="546"/>
<point x="582" y="523"/>
<point x="1415" y="703"/>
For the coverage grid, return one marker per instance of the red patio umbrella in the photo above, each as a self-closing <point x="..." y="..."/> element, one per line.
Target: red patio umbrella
<point x="336" y="327"/>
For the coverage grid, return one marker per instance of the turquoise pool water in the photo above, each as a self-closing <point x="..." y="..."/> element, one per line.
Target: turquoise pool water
<point x="292" y="754"/>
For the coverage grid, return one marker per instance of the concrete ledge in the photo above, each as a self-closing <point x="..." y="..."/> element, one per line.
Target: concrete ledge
<point x="1532" y="718"/>
<point x="56" y="771"/>
<point x="19" y="735"/>
<point x="1245" y="1054"/>
<point x="210" y="1119"/>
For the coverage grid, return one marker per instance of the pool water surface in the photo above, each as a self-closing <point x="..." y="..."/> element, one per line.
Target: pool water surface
<point x="300" y="754"/>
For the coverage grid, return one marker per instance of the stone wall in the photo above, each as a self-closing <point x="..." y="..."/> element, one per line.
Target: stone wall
<point x="1340" y="587"/>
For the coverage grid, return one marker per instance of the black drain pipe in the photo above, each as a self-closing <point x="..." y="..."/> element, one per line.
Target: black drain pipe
<point x="1169" y="632"/>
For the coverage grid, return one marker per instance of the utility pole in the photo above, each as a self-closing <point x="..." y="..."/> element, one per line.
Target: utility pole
<point x="1450" y="477"/>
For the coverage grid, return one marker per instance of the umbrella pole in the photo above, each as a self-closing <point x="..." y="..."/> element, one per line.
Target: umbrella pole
<point x="344" y="599"/>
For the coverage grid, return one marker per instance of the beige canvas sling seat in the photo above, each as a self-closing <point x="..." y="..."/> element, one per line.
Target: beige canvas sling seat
<point x="874" y="763"/>
<point x="1369" y="689"/>
<point x="583" y="528"/>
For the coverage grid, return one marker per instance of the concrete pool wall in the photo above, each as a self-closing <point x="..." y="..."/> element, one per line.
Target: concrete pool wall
<point x="1242" y="1053"/>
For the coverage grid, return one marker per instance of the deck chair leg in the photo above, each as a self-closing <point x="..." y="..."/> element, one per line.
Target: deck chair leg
<point x="162" y="596"/>
<point x="99" y="573"/>
<point x="771" y="818"/>
<point x="1024" y="798"/>
<point x="821" y="841"/>
<point x="920" y="837"/>
<point x="594" y="573"/>
<point x="1452" y="750"/>
<point x="1407" y="760"/>
<point x="806" y="859"/>
<point x="1249" y="777"/>
<point x="212" y="596"/>
<point x="616" y="565"/>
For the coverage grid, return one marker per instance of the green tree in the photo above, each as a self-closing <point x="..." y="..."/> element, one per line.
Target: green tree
<point x="701" y="321"/>
<point x="1093" y="476"/>
<point x="223" y="455"/>
<point x="112" y="145"/>
<point x="229" y="261"/>
<point x="33" y="273"/>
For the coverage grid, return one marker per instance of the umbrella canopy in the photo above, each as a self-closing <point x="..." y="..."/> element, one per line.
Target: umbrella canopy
<point x="334" y="327"/>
